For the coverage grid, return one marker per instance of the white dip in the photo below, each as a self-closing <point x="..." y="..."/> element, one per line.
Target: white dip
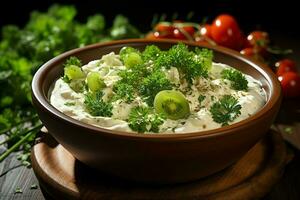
<point x="71" y="103"/>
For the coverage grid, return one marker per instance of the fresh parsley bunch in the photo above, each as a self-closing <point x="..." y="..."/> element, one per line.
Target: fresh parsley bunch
<point x="24" y="50"/>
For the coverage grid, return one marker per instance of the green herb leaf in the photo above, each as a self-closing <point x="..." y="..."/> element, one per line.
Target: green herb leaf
<point x="34" y="186"/>
<point x="143" y="119"/>
<point x="96" y="106"/>
<point x="18" y="190"/>
<point x="124" y="91"/>
<point x="69" y="104"/>
<point x="189" y="64"/>
<point x="153" y="84"/>
<point x="238" y="80"/>
<point x="73" y="61"/>
<point x="225" y="110"/>
<point x="201" y="98"/>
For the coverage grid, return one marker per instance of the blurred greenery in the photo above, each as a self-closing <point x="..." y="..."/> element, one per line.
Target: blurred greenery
<point x="24" y="50"/>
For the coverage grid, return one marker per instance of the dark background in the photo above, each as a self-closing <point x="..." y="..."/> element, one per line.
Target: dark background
<point x="279" y="18"/>
<point x="275" y="17"/>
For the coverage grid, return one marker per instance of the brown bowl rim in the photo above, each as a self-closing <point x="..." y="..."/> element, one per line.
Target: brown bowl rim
<point x="275" y="94"/>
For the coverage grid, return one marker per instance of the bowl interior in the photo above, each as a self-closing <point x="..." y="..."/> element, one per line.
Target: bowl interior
<point x="53" y="69"/>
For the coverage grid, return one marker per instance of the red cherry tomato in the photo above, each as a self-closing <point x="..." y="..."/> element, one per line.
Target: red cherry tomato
<point x="226" y="32"/>
<point x="158" y="35"/>
<point x="246" y="43"/>
<point x="206" y="31"/>
<point x="249" y="52"/>
<point x="150" y="35"/>
<point x="164" y="27"/>
<point x="285" y="65"/>
<point x="290" y="84"/>
<point x="258" y="38"/>
<point x="189" y="29"/>
<point x="179" y="35"/>
<point x="182" y="31"/>
<point x="252" y="53"/>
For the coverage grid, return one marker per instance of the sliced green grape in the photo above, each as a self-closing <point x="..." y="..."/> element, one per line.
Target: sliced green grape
<point x="77" y="85"/>
<point x="95" y="82"/>
<point x="73" y="72"/>
<point x="132" y="59"/>
<point x="130" y="56"/>
<point x="127" y="50"/>
<point x="172" y="104"/>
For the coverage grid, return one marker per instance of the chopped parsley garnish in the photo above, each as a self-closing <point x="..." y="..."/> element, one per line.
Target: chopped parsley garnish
<point x="18" y="190"/>
<point x="151" y="52"/>
<point x="225" y="110"/>
<point x="143" y="119"/>
<point x="238" y="80"/>
<point x="153" y="84"/>
<point x="96" y="106"/>
<point x="73" y="61"/>
<point x="34" y="186"/>
<point x="144" y="75"/>
<point x="189" y="64"/>
<point x="201" y="99"/>
<point x="69" y="104"/>
<point x="124" y="91"/>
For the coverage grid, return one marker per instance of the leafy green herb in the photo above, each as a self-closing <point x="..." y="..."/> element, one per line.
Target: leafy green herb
<point x="151" y="52"/>
<point x="34" y="186"/>
<point x="153" y="84"/>
<point x="124" y="91"/>
<point x="18" y="190"/>
<point x="143" y="119"/>
<point x="289" y="130"/>
<point x="225" y="110"/>
<point x="238" y="80"/>
<point x="123" y="29"/>
<point x="201" y="98"/>
<point x="189" y="64"/>
<point x="96" y="106"/>
<point x="24" y="50"/>
<point x="69" y="104"/>
<point x="73" y="61"/>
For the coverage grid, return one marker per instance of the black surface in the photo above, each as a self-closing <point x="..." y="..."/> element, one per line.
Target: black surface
<point x="279" y="17"/>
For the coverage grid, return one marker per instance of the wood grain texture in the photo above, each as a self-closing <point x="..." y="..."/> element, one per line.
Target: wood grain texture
<point x="250" y="178"/>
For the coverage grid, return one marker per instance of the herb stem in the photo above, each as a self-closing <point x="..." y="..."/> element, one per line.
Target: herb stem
<point x="18" y="123"/>
<point x="28" y="133"/>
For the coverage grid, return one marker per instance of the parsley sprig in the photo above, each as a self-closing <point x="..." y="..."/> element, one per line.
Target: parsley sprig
<point x="190" y="64"/>
<point x="143" y="119"/>
<point x="96" y="106"/>
<point x="153" y="84"/>
<point x="238" y="80"/>
<point x="225" y="110"/>
<point x="144" y="75"/>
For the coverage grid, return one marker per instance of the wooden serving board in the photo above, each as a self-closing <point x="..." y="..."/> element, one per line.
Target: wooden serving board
<point x="63" y="177"/>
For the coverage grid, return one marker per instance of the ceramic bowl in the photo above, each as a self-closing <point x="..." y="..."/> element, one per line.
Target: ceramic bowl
<point x="155" y="158"/>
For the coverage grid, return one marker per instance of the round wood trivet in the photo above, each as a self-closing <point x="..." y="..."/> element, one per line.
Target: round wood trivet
<point x="63" y="177"/>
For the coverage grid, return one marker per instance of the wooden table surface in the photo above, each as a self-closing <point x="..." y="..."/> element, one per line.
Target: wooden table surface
<point x="13" y="176"/>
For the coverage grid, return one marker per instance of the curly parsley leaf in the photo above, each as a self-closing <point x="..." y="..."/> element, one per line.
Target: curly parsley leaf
<point x="153" y="84"/>
<point x="225" y="110"/>
<point x="201" y="98"/>
<point x="73" y="61"/>
<point x="142" y="119"/>
<point x="151" y="52"/>
<point x="124" y="91"/>
<point x="189" y="64"/>
<point x="96" y="106"/>
<point x="238" y="80"/>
